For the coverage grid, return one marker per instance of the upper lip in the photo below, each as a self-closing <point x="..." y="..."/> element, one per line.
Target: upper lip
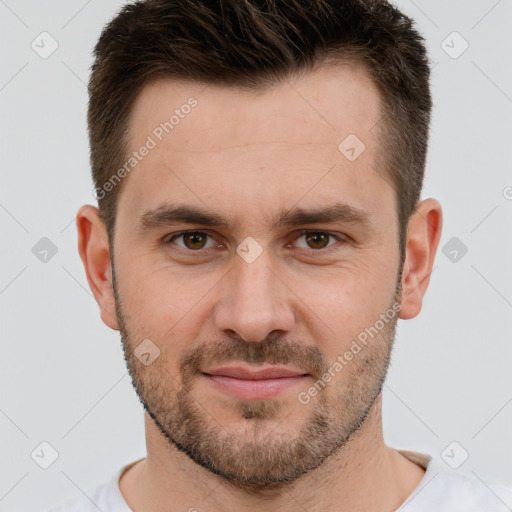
<point x="240" y="372"/>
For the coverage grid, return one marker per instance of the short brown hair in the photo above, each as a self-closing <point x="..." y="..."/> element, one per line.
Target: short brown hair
<point x="253" y="44"/>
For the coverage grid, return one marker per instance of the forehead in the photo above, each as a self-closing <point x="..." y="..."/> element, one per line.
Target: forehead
<point x="332" y="99"/>
<point x="293" y="142"/>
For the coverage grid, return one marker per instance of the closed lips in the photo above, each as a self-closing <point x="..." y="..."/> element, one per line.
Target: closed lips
<point x="260" y="374"/>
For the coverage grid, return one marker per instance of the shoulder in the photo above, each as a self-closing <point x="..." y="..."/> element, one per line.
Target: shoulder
<point x="105" y="497"/>
<point x="467" y="492"/>
<point x="80" y="503"/>
<point x="445" y="490"/>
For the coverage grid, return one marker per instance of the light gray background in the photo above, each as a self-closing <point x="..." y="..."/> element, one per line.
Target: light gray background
<point x="62" y="376"/>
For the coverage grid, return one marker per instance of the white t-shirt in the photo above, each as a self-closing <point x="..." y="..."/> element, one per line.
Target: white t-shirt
<point x="440" y="490"/>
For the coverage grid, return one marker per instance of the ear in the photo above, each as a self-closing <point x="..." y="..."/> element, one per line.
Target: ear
<point x="95" y="254"/>
<point x="423" y="235"/>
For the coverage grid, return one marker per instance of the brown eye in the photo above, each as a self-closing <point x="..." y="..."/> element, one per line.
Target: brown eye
<point x="192" y="240"/>
<point x="317" y="240"/>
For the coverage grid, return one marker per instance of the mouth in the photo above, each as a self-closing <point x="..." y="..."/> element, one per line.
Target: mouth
<point x="254" y="383"/>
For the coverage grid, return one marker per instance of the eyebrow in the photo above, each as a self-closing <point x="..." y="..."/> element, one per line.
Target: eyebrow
<point x="169" y="214"/>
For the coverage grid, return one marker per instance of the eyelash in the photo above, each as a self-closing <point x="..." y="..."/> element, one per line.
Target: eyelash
<point x="340" y="239"/>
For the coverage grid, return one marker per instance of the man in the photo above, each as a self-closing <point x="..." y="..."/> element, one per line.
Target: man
<point x="258" y="167"/>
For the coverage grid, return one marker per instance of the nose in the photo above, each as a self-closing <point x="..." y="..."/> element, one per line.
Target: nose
<point x="254" y="301"/>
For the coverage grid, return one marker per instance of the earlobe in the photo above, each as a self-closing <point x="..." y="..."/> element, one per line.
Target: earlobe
<point x="95" y="254"/>
<point x="423" y="235"/>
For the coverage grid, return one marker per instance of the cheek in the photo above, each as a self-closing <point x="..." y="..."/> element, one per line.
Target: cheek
<point x="157" y="291"/>
<point x="165" y="306"/>
<point x="359" y="285"/>
<point x="340" y="307"/>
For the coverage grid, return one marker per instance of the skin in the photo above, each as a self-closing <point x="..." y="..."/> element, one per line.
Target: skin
<point x="246" y="156"/>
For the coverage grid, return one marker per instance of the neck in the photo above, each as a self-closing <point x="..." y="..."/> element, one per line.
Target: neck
<point x="365" y="474"/>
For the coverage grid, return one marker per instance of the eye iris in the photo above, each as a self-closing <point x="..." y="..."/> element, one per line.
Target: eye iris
<point x="194" y="237"/>
<point x="315" y="237"/>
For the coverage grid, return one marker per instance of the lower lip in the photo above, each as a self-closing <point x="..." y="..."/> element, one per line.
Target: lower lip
<point x="254" y="389"/>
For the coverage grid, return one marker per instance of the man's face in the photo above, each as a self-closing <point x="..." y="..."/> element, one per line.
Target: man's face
<point x="216" y="298"/>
